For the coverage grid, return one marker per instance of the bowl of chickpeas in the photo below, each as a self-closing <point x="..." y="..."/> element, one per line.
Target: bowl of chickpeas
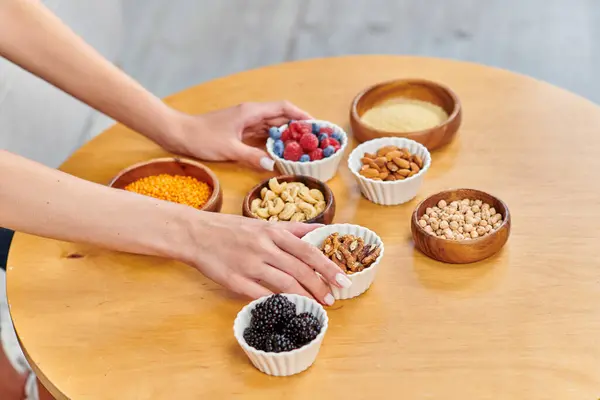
<point x="294" y="198"/>
<point x="460" y="226"/>
<point x="173" y="179"/>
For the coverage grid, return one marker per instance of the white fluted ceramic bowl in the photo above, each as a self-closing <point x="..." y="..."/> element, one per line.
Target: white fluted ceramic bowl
<point x="287" y="363"/>
<point x="361" y="281"/>
<point x="322" y="170"/>
<point x="389" y="193"/>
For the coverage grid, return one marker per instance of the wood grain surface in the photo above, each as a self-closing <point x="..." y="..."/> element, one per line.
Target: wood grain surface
<point x="523" y="324"/>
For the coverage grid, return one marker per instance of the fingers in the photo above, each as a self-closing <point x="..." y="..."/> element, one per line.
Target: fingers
<point x="297" y="273"/>
<point x="254" y="113"/>
<point x="253" y="157"/>
<point x="246" y="287"/>
<point x="282" y="282"/>
<point x="298" y="228"/>
<point x="311" y="256"/>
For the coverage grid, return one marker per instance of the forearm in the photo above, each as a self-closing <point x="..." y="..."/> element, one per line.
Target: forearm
<point x="32" y="37"/>
<point x="46" y="202"/>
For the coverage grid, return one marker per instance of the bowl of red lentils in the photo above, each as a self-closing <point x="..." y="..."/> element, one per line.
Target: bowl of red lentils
<point x="172" y="179"/>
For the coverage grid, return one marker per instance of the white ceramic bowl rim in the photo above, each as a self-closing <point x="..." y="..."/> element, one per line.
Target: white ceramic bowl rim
<point x="377" y="260"/>
<point x="271" y="142"/>
<point x="248" y="307"/>
<point x="357" y="150"/>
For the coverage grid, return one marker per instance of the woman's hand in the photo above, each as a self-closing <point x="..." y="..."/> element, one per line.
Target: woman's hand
<point x="219" y="135"/>
<point x="256" y="258"/>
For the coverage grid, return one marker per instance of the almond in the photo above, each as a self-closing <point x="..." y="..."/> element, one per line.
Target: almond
<point x="386" y="149"/>
<point x="380" y="161"/>
<point x="393" y="154"/>
<point x="402" y="163"/>
<point x="414" y="167"/>
<point x="392" y="167"/>
<point x="370" y="173"/>
<point x="418" y="160"/>
<point x="402" y="172"/>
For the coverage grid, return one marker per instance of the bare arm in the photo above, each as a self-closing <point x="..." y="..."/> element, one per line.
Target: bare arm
<point x="46" y="202"/>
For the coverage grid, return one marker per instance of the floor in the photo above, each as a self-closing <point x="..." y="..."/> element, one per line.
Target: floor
<point x="175" y="44"/>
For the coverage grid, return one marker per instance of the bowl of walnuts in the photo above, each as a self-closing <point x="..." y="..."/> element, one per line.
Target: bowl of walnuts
<point x="460" y="226"/>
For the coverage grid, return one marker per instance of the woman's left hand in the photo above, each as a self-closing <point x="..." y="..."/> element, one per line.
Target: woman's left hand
<point x="219" y="135"/>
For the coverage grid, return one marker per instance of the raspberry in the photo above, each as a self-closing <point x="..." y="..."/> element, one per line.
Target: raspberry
<point x="327" y="130"/>
<point x="298" y="129"/>
<point x="324" y="143"/>
<point x="278" y="148"/>
<point x="336" y="145"/>
<point x="304" y="158"/>
<point x="274" y="133"/>
<point x="309" y="142"/>
<point x="286" y="135"/>
<point x="328" y="151"/>
<point x="293" y="151"/>
<point x="316" y="154"/>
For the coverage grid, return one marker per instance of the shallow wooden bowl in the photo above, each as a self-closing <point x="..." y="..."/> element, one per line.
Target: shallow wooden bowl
<point x="460" y="251"/>
<point x="326" y="217"/>
<point x="417" y="89"/>
<point x="173" y="166"/>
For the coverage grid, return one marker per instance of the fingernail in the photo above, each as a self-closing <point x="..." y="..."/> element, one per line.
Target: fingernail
<point x="329" y="300"/>
<point x="343" y="280"/>
<point x="267" y="163"/>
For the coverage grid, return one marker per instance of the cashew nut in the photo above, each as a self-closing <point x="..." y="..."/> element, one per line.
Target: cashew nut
<point x="275" y="206"/>
<point x="273" y="218"/>
<point x="269" y="195"/>
<point x="263" y="191"/>
<point x="263" y="213"/>
<point x="276" y="187"/>
<point x="316" y="194"/>
<point x="286" y="196"/>
<point x="308" y="210"/>
<point x="320" y="206"/>
<point x="288" y="210"/>
<point x="304" y="194"/>
<point x="255" y="205"/>
<point x="298" y="217"/>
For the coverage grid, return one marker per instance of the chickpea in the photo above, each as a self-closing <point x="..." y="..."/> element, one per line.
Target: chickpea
<point x="468" y="228"/>
<point x="497" y="225"/>
<point x="477" y="215"/>
<point x="429" y="229"/>
<point x="454" y="205"/>
<point x="425" y="217"/>
<point x="464" y="209"/>
<point x="438" y="232"/>
<point x="488" y="228"/>
<point x="466" y="202"/>
<point x="429" y="210"/>
<point x="485" y="206"/>
<point x="461" y="229"/>
<point x="461" y="222"/>
<point x="470" y="220"/>
<point x="444" y="224"/>
<point x="492" y="211"/>
<point x="460" y="236"/>
<point x="485" y="215"/>
<point x="469" y="213"/>
<point x="475" y="209"/>
<point x="454" y="225"/>
<point x="483" y="223"/>
<point x="474" y="235"/>
<point x="442" y="203"/>
<point x="455" y="218"/>
<point x="445" y="217"/>
<point x="422" y="223"/>
<point x="481" y="230"/>
<point x="478" y="202"/>
<point x="434" y="224"/>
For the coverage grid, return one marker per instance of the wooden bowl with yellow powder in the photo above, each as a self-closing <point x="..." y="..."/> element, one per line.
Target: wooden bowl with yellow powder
<point x="417" y="109"/>
<point x="173" y="179"/>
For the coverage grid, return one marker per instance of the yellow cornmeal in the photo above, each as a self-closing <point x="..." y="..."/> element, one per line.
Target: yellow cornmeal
<point x="404" y="115"/>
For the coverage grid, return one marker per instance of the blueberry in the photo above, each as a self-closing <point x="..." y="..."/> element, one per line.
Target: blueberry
<point x="274" y="133"/>
<point x="304" y="158"/>
<point x="328" y="151"/>
<point x="323" y="136"/>
<point x="315" y="128"/>
<point x="337" y="136"/>
<point x="278" y="148"/>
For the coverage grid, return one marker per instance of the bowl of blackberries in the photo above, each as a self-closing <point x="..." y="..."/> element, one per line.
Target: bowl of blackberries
<point x="281" y="334"/>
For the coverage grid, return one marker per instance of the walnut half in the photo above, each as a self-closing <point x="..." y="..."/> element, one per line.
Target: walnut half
<point x="350" y="252"/>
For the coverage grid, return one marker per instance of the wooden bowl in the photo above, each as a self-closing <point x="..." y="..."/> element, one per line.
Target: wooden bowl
<point x="173" y="166"/>
<point x="460" y="251"/>
<point x="417" y="89"/>
<point x="326" y="217"/>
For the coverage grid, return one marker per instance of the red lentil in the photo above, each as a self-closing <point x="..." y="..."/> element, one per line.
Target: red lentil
<point x="176" y="188"/>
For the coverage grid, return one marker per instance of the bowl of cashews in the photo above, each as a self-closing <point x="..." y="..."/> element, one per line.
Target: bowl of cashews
<point x="293" y="198"/>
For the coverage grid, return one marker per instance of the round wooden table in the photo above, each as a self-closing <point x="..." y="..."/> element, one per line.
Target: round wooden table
<point x="524" y="324"/>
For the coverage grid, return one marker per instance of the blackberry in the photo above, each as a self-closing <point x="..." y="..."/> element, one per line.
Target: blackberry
<point x="273" y="314"/>
<point x="303" y="329"/>
<point x="277" y="343"/>
<point x="255" y="338"/>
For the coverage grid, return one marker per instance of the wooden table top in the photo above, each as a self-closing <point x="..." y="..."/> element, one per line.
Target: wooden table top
<point x="524" y="324"/>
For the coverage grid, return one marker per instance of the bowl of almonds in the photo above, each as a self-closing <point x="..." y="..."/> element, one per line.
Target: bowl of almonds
<point x="390" y="170"/>
<point x="460" y="226"/>
<point x="293" y="198"/>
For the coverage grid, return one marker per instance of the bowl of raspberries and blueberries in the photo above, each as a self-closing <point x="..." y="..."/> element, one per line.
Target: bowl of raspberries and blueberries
<point x="308" y="147"/>
<point x="281" y="334"/>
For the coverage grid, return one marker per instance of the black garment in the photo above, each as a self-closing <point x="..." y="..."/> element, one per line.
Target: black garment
<point x="6" y="236"/>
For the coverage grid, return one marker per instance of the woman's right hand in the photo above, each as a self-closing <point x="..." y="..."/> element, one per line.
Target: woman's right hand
<point x="254" y="258"/>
